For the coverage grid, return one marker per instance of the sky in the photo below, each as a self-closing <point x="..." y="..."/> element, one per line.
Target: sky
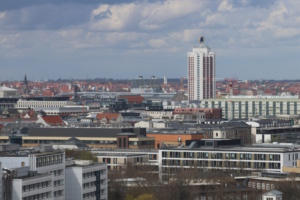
<point x="122" y="39"/>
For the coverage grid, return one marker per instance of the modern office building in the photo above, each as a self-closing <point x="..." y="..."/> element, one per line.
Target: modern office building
<point x="201" y="72"/>
<point x="228" y="155"/>
<point x="86" y="180"/>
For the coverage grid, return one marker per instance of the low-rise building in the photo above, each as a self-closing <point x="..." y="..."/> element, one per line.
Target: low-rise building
<point x="6" y="92"/>
<point x="212" y="154"/>
<point x="117" y="161"/>
<point x="134" y="138"/>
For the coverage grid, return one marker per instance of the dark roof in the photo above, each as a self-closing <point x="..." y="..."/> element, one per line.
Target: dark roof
<point x="127" y="134"/>
<point x="84" y="132"/>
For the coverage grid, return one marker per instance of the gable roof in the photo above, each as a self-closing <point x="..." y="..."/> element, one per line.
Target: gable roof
<point x="108" y="116"/>
<point x="53" y="120"/>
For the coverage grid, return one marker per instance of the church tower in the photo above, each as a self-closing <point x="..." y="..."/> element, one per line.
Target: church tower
<point x="25" y="86"/>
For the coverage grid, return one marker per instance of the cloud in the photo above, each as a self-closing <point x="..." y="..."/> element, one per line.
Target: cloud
<point x="157" y="43"/>
<point x="225" y="6"/>
<point x="97" y="32"/>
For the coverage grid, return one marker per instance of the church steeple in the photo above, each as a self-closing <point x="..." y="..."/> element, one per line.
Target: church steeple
<point x="25" y="86"/>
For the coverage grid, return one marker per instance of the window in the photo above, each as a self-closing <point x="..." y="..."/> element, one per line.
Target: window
<point x="258" y="185"/>
<point x="268" y="187"/>
<point x="263" y="186"/>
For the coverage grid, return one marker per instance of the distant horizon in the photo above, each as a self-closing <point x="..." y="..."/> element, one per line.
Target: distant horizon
<point x="128" y="79"/>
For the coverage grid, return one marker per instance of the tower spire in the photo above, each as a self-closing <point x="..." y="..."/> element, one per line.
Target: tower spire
<point x="25" y="86"/>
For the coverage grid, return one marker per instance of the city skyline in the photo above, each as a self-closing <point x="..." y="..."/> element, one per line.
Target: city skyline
<point x="75" y="39"/>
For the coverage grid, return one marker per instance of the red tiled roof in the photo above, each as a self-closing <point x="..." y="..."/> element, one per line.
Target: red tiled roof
<point x="53" y="120"/>
<point x="108" y="116"/>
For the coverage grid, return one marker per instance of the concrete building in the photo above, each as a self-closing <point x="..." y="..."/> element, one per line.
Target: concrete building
<point x="151" y="153"/>
<point x="27" y="185"/>
<point x="116" y="161"/>
<point x="160" y="114"/>
<point x="273" y="130"/>
<point x="201" y="72"/>
<point x="86" y="180"/>
<point x="6" y="92"/>
<point x="150" y="124"/>
<point x="244" y="107"/>
<point x="42" y="102"/>
<point x="228" y="155"/>
<point x="42" y="160"/>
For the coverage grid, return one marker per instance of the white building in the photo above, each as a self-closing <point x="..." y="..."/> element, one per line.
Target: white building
<point x="244" y="107"/>
<point x="27" y="185"/>
<point x="271" y="157"/>
<point x="8" y="92"/>
<point x="272" y="195"/>
<point x="42" y="160"/>
<point x="24" y="104"/>
<point x="150" y="125"/>
<point x="201" y="72"/>
<point x="160" y="114"/>
<point x="86" y="180"/>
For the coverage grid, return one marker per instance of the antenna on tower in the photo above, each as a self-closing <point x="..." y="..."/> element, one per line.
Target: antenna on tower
<point x="201" y="39"/>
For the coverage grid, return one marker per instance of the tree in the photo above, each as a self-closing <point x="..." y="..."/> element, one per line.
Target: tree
<point x="80" y="155"/>
<point x="290" y="187"/>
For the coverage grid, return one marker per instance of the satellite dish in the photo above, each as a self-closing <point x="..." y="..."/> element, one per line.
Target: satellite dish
<point x="201" y="40"/>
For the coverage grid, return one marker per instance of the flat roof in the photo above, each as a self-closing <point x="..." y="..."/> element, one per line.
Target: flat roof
<point x="236" y="149"/>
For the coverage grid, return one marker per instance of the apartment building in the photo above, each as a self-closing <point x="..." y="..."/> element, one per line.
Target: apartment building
<point x="244" y="107"/>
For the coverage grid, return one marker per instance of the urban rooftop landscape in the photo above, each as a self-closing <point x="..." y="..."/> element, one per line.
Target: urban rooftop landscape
<point x="149" y="100"/>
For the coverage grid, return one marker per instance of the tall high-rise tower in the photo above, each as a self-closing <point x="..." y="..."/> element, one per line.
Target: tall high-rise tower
<point x="201" y="72"/>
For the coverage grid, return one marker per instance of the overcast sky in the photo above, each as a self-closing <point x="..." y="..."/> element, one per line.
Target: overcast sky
<point x="50" y="39"/>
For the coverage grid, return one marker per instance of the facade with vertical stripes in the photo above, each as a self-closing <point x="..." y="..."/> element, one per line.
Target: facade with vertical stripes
<point x="201" y="73"/>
